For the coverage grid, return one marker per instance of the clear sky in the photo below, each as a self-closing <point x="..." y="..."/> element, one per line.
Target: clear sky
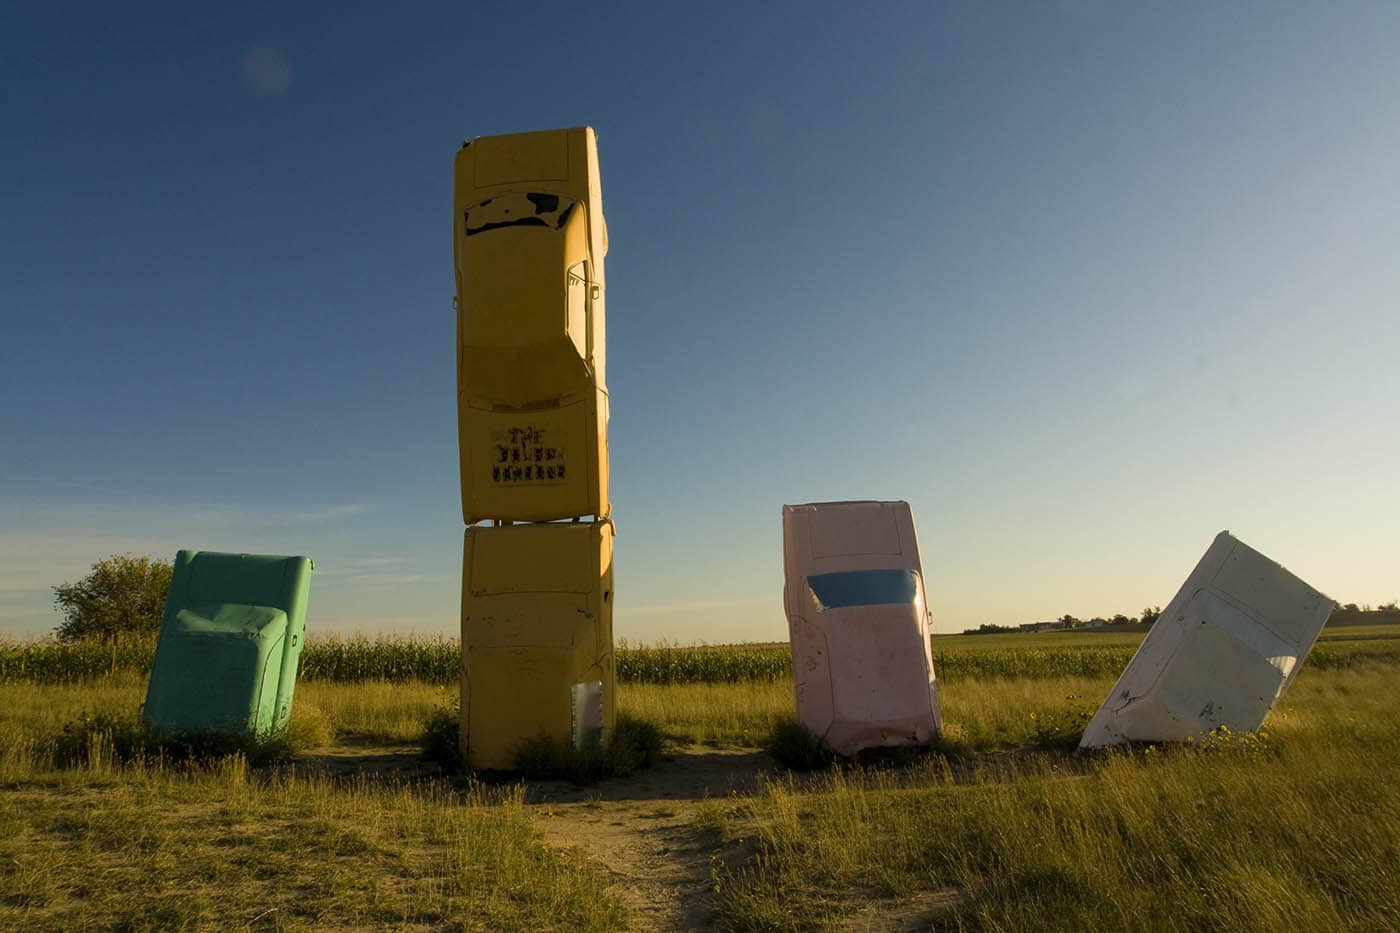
<point x="1085" y="283"/>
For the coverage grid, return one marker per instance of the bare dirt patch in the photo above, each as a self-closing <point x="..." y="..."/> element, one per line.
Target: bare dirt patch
<point x="640" y="829"/>
<point x="363" y="761"/>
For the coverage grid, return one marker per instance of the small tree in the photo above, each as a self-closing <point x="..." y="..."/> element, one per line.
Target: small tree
<point x="1150" y="614"/>
<point x="121" y="596"/>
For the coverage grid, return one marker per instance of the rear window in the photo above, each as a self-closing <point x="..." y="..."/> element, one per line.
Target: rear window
<point x="518" y="209"/>
<point x="864" y="588"/>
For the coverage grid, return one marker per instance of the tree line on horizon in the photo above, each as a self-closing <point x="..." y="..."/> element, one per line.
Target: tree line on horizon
<point x="1146" y="618"/>
<point x="122" y="598"/>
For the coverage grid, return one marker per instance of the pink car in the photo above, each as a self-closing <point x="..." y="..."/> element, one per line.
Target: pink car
<point x="858" y="623"/>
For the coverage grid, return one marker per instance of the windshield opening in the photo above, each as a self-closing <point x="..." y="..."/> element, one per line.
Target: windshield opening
<point x="864" y="588"/>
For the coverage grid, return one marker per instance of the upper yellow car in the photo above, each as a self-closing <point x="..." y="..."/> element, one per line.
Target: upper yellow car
<point x="529" y="242"/>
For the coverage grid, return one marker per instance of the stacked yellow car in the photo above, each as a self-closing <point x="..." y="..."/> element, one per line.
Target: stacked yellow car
<point x="532" y="402"/>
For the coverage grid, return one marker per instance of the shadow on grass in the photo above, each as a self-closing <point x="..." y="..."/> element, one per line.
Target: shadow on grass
<point x="440" y="741"/>
<point x="92" y="740"/>
<point x="798" y="749"/>
<point x="635" y="744"/>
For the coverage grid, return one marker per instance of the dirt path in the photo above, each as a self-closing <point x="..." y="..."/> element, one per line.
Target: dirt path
<point x="640" y="830"/>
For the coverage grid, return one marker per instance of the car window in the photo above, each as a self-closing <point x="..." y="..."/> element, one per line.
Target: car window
<point x="864" y="588"/>
<point x="518" y="209"/>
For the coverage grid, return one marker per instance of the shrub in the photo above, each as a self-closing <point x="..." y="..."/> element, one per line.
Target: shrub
<point x="1060" y="733"/>
<point x="440" y="742"/>
<point x="88" y="740"/>
<point x="635" y="744"/>
<point x="795" y="747"/>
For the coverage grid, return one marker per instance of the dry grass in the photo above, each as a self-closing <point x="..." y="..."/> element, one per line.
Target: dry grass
<point x="711" y="714"/>
<point x="1296" y="828"/>
<point x="146" y="844"/>
<point x="145" y="847"/>
<point x="981" y="715"/>
<point x="376" y="710"/>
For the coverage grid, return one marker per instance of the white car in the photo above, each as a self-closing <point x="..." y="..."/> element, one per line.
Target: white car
<point x="1221" y="653"/>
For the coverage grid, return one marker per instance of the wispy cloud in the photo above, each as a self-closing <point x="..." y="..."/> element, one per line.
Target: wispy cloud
<point x="333" y="566"/>
<point x="219" y="516"/>
<point x="386" y="579"/>
<point x="114" y="510"/>
<point x="325" y="513"/>
<point x="34" y="561"/>
<point x="49" y="540"/>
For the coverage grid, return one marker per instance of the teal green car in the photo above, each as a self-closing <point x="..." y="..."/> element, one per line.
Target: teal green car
<point x="230" y="641"/>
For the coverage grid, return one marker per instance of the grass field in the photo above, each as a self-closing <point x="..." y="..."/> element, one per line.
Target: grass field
<point x="1297" y="827"/>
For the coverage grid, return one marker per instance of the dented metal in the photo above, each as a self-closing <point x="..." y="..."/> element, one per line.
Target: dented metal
<point x="532" y="403"/>
<point x="529" y="248"/>
<point x="1220" y="655"/>
<point x="537" y="646"/>
<point x="858" y="623"/>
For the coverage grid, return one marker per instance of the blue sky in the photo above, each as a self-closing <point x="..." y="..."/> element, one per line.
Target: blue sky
<point x="1085" y="283"/>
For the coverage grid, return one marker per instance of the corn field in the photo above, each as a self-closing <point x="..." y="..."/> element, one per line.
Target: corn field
<point x="352" y="660"/>
<point x="436" y="660"/>
<point x="668" y="664"/>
